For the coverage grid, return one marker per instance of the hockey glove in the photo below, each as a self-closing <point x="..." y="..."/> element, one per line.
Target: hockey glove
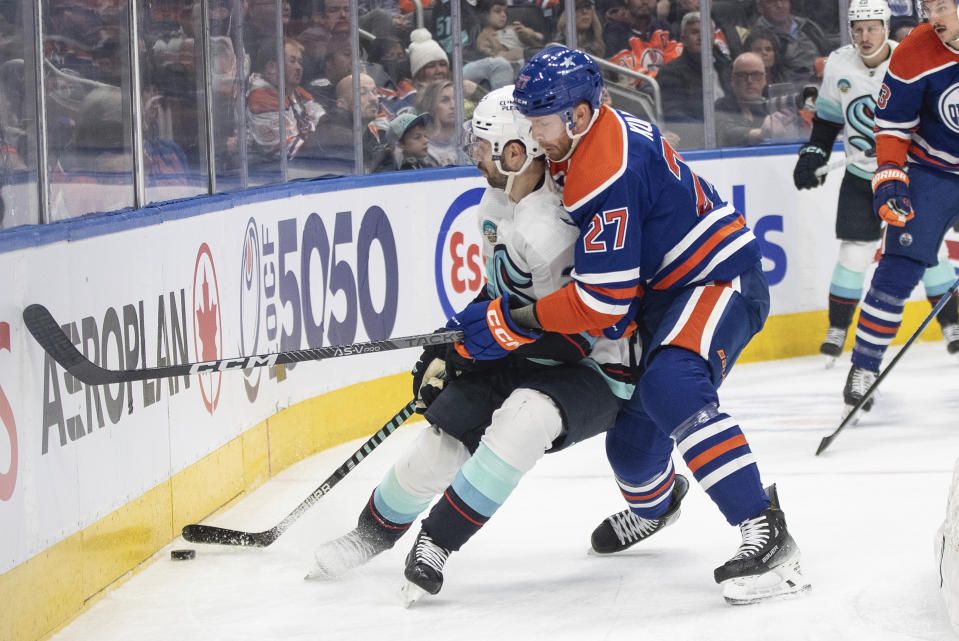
<point x="811" y="158"/>
<point x="490" y="332"/>
<point x="429" y="375"/>
<point x="890" y="195"/>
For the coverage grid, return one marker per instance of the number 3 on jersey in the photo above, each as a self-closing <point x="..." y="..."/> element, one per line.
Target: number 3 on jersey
<point x="617" y="219"/>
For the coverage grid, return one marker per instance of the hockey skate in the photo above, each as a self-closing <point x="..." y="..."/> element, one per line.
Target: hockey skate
<point x="424" y="569"/>
<point x="766" y="565"/>
<point x="858" y="383"/>
<point x="624" y="529"/>
<point x="832" y="345"/>
<point x="950" y="333"/>
<point x="337" y="557"/>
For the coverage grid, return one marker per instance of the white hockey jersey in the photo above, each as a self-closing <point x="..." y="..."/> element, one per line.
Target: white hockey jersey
<point x="528" y="249"/>
<point x="848" y="97"/>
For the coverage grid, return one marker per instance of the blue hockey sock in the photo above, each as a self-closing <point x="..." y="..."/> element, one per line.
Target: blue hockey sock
<point x="880" y="314"/>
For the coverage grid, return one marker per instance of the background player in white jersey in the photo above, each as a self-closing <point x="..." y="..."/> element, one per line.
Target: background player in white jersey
<point x="917" y="129"/>
<point x="491" y="422"/>
<point x="847" y="103"/>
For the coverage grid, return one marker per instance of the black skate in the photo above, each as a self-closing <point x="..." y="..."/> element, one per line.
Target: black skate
<point x="766" y="565"/>
<point x="624" y="529"/>
<point x="424" y="568"/>
<point x="832" y="345"/>
<point x="950" y="333"/>
<point x="858" y="383"/>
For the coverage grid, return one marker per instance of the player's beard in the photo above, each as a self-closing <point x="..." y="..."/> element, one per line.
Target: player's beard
<point x="494" y="178"/>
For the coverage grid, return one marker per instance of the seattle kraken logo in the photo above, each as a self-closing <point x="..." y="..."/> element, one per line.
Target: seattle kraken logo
<point x="949" y="108"/>
<point x="505" y="278"/>
<point x="861" y="116"/>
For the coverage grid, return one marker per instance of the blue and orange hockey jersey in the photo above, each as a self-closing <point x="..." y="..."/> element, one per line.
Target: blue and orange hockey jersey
<point x="646" y="221"/>
<point x="917" y="119"/>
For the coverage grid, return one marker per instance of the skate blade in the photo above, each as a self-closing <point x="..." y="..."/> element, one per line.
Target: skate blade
<point x="410" y="593"/>
<point x="781" y="582"/>
<point x="831" y="361"/>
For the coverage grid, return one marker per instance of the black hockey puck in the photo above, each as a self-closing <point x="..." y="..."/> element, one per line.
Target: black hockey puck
<point x="182" y="555"/>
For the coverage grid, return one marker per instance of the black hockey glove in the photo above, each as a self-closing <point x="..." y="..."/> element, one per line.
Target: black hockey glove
<point x="429" y="375"/>
<point x="811" y="158"/>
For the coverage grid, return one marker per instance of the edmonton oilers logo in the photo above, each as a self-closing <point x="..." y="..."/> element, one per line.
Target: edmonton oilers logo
<point x="949" y="108"/>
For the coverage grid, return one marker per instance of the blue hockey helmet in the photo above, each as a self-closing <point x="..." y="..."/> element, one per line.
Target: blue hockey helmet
<point x="555" y="80"/>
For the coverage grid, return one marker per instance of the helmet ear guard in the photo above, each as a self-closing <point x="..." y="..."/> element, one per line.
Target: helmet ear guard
<point x="497" y="121"/>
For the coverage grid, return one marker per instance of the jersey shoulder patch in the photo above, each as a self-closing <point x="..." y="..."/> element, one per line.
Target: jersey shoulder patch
<point x="920" y="53"/>
<point x="599" y="159"/>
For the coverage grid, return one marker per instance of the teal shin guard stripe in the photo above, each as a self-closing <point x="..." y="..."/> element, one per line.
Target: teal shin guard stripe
<point x="395" y="503"/>
<point x="937" y="279"/>
<point x="846" y="283"/>
<point x="486" y="475"/>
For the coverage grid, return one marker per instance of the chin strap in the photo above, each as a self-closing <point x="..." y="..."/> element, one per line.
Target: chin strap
<point x="876" y="53"/>
<point x="575" y="137"/>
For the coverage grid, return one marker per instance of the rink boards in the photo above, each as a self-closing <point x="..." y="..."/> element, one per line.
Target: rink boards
<point x="94" y="480"/>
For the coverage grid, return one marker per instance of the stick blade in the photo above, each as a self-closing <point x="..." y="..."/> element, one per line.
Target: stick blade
<point x="48" y="333"/>
<point x="824" y="443"/>
<point x="199" y="533"/>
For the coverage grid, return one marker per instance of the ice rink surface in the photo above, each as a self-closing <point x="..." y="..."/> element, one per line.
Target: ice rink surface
<point x="865" y="514"/>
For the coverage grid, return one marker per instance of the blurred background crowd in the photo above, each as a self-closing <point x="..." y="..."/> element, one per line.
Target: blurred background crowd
<point x="111" y="104"/>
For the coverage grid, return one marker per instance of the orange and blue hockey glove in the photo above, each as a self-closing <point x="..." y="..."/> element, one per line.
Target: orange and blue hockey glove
<point x="890" y="195"/>
<point x="490" y="332"/>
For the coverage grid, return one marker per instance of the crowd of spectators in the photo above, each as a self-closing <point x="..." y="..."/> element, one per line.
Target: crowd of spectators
<point x="765" y="56"/>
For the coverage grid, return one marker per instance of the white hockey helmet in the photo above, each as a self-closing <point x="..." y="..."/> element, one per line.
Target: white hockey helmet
<point x="497" y="121"/>
<point x="869" y="10"/>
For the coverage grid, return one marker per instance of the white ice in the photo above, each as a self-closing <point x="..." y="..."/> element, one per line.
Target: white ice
<point x="864" y="513"/>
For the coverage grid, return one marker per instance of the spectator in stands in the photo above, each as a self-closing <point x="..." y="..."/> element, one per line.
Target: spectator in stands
<point x="409" y="142"/>
<point x="899" y="27"/>
<point x="301" y="111"/>
<point x="589" y="30"/>
<point x="801" y="39"/>
<point x="429" y="64"/>
<point x="612" y="11"/>
<point x="335" y="129"/>
<point x="71" y="33"/>
<point x="330" y="18"/>
<point x="741" y="115"/>
<point x="766" y="45"/>
<point x="387" y="23"/>
<point x="645" y="43"/>
<point x="498" y="38"/>
<point x="437" y="100"/>
<point x="681" y="84"/>
<point x="492" y="71"/>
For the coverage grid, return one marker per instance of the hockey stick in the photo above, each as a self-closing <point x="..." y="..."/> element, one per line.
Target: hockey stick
<point x="58" y="345"/>
<point x="846" y="160"/>
<point x="875" y="384"/>
<point x="199" y="533"/>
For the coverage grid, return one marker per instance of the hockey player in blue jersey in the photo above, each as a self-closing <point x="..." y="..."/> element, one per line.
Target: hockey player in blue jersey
<point x="847" y="102"/>
<point x="660" y="248"/>
<point x="489" y="426"/>
<point x="916" y="186"/>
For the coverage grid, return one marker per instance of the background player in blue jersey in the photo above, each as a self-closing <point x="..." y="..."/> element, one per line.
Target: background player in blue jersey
<point x="917" y="129"/>
<point x="651" y="234"/>
<point x="847" y="102"/>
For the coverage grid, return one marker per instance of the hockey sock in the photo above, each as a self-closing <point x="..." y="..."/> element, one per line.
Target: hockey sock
<point x="481" y="486"/>
<point x="936" y="281"/>
<point x="372" y="523"/>
<point x="716" y="452"/>
<point x="881" y="312"/>
<point x="649" y="500"/>
<point x="845" y="290"/>
<point x="393" y="507"/>
<point x="678" y="394"/>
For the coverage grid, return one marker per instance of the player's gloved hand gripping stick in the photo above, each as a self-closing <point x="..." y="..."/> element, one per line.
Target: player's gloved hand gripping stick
<point x="490" y="333"/>
<point x="890" y="195"/>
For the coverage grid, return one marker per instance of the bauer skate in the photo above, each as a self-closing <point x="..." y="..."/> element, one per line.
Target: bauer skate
<point x="832" y="345"/>
<point x="858" y="383"/>
<point x="424" y="569"/>
<point x="624" y="529"/>
<point x="950" y="333"/>
<point x="766" y="565"/>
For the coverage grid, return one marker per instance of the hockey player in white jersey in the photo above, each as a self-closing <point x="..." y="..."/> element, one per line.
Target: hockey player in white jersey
<point x="847" y="103"/>
<point x="491" y="421"/>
